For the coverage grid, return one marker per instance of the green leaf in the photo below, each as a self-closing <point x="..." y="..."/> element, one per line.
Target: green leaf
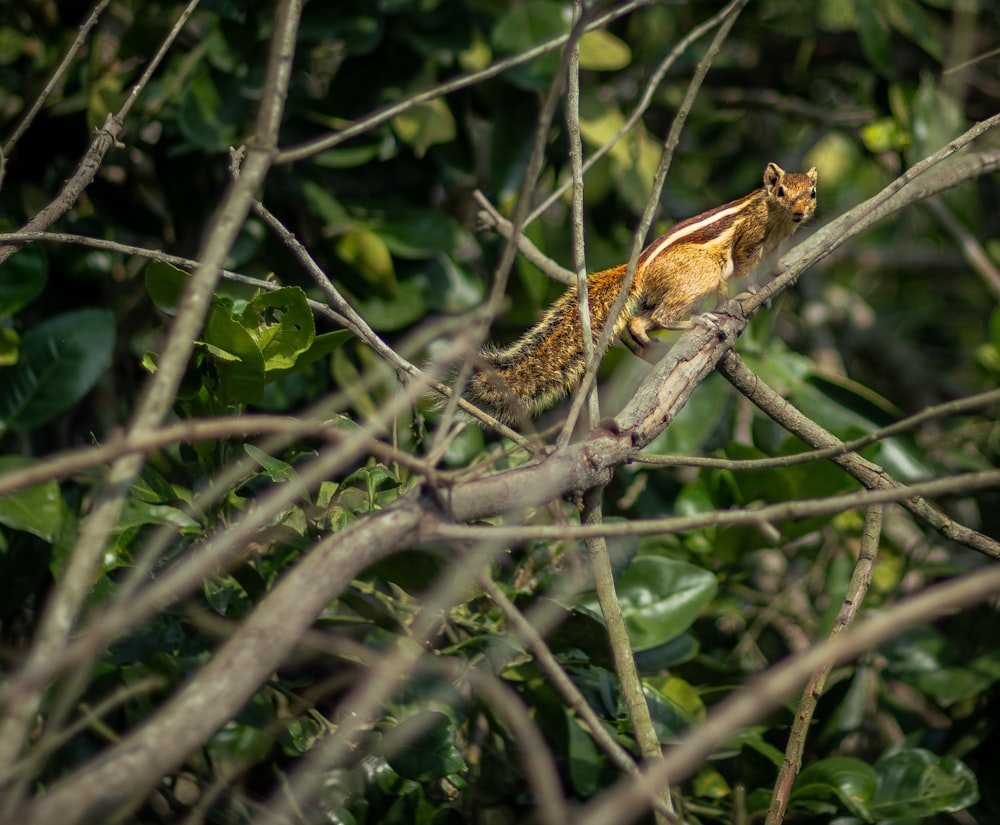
<point x="301" y="736"/>
<point x="430" y="752"/>
<point x="202" y="115"/>
<point x="238" y="360"/>
<point x="348" y="157"/>
<point x="583" y="757"/>
<point x="937" y="118"/>
<point x="696" y="422"/>
<point x="669" y="715"/>
<point x="875" y="38"/>
<point x="22" y="278"/>
<point x="843" y="778"/>
<point x="245" y="740"/>
<point x="336" y="219"/>
<point x="36" y="509"/>
<point x="369" y="255"/>
<point x="281" y="323"/>
<point x="661" y="598"/>
<point x="10" y="347"/>
<point x="425" y="125"/>
<point x="152" y="487"/>
<point x="417" y="234"/>
<point x="753" y="738"/>
<point x="322" y="345"/>
<point x="927" y="659"/>
<point x="139" y="513"/>
<point x="601" y="51"/>
<point x="918" y="783"/>
<point x="524" y="27"/>
<point x="276" y="469"/>
<point x="911" y="18"/>
<point x="385" y="315"/>
<point x="165" y="284"/>
<point x="61" y="360"/>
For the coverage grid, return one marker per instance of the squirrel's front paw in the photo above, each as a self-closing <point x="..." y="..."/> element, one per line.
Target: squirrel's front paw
<point x="709" y="320"/>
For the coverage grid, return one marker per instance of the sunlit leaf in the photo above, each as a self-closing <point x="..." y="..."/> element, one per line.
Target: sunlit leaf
<point x="601" y="51"/>
<point x="425" y="125"/>
<point x="281" y="323"/>
<point x="238" y="360"/>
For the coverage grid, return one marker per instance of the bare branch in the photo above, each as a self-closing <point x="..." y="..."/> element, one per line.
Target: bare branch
<point x="855" y="596"/>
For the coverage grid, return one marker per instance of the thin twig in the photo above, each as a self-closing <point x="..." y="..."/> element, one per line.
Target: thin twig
<point x="644" y="102"/>
<point x="188" y="264"/>
<point x="387" y="113"/>
<point x="853" y="599"/>
<point x="972" y="250"/>
<point x="961" y="405"/>
<point x="57" y="75"/>
<point x="564" y="686"/>
<point x="765" y="514"/>
<point x="734" y="370"/>
<point x="639" y="238"/>
<point x="621" y="646"/>
<point x="60" y="616"/>
<point x="577" y="231"/>
<point x="490" y="218"/>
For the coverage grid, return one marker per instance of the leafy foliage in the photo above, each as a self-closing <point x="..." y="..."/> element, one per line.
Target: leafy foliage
<point x="893" y="322"/>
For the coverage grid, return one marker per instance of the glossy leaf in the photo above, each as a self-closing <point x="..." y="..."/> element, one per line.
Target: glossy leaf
<point x="238" y="361"/>
<point x="61" y="360"/>
<point x="281" y="324"/>
<point x="36" y="509"/>
<point x="917" y="783"/>
<point x="661" y="598"/>
<point x="670" y="710"/>
<point x="139" y="513"/>
<point x="165" y="284"/>
<point x="844" y="778"/>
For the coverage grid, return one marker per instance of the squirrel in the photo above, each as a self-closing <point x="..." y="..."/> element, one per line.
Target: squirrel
<point x="673" y="276"/>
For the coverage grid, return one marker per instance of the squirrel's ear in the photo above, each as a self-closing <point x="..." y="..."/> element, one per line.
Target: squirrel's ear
<point x="772" y="175"/>
<point x="813" y="175"/>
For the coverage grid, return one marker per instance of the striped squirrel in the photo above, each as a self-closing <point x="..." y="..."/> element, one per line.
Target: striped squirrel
<point x="673" y="276"/>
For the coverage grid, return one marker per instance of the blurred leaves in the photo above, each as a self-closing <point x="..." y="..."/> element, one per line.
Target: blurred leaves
<point x="891" y="323"/>
<point x="61" y="359"/>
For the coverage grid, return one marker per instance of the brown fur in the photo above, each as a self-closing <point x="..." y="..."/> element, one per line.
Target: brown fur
<point x="674" y="275"/>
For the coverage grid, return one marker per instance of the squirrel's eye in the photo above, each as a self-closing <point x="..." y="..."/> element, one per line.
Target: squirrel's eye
<point x="781" y="191"/>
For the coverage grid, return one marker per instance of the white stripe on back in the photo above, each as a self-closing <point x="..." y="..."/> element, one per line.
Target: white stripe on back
<point x="673" y="237"/>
